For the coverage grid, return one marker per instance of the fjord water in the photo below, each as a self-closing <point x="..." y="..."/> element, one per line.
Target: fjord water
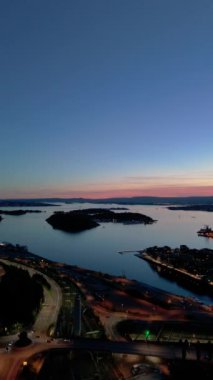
<point x="97" y="249"/>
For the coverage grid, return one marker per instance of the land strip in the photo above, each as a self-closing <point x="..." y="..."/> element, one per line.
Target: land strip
<point x="192" y="267"/>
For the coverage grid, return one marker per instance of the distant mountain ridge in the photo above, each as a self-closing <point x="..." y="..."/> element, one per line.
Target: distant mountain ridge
<point x="143" y="200"/>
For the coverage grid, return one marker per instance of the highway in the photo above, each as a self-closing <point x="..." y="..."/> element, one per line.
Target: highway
<point x="168" y="351"/>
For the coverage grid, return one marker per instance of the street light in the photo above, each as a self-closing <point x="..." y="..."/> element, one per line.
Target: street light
<point x="147" y="334"/>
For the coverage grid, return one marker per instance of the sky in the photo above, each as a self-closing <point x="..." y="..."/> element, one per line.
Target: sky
<point x="102" y="98"/>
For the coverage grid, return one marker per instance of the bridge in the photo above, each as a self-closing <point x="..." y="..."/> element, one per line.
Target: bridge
<point x="163" y="350"/>
<point x="11" y="362"/>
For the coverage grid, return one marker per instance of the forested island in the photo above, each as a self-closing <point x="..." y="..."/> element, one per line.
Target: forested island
<point x="71" y="221"/>
<point x="24" y="203"/>
<point x="80" y="220"/>
<point x="18" y="212"/>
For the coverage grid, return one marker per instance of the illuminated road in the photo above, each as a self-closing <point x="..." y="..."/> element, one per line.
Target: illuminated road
<point x="11" y="362"/>
<point x="50" y="309"/>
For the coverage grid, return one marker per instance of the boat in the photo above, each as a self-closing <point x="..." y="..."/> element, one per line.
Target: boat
<point x="206" y="231"/>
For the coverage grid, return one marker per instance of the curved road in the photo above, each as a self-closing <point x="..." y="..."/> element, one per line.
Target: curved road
<point x="50" y="309"/>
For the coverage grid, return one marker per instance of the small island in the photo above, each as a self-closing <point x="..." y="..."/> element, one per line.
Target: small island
<point x="208" y="208"/>
<point x="24" y="203"/>
<point x="80" y="220"/>
<point x="18" y="212"/>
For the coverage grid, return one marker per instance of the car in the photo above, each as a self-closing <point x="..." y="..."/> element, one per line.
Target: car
<point x="9" y="346"/>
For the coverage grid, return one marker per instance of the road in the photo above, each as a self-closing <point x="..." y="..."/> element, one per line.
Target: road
<point x="168" y="351"/>
<point x="50" y="309"/>
<point x="11" y="362"/>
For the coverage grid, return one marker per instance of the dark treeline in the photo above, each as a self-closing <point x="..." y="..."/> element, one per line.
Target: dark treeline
<point x="20" y="297"/>
<point x="71" y="221"/>
<point x="41" y="280"/>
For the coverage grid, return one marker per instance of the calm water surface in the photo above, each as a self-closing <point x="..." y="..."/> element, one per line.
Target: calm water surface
<point x="98" y="248"/>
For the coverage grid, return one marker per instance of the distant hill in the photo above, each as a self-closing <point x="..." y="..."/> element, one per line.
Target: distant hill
<point x="151" y="200"/>
<point x="143" y="200"/>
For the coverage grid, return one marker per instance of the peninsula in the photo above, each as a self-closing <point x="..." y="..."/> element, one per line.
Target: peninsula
<point x="190" y="267"/>
<point x="80" y="220"/>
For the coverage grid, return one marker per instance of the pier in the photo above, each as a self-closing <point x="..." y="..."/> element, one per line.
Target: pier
<point x="129" y="251"/>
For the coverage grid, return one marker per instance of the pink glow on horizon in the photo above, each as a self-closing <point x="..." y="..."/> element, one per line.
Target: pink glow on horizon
<point x="156" y="192"/>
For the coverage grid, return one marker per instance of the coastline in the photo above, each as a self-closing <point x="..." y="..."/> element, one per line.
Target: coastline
<point x="147" y="292"/>
<point x="184" y="278"/>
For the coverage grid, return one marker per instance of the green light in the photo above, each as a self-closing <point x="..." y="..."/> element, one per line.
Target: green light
<point x="147" y="334"/>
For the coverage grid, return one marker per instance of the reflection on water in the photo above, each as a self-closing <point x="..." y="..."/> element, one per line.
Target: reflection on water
<point x="98" y="248"/>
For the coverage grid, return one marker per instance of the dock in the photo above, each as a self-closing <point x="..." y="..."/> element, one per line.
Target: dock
<point x="129" y="251"/>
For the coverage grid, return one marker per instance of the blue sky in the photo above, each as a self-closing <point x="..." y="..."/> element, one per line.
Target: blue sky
<point x="102" y="98"/>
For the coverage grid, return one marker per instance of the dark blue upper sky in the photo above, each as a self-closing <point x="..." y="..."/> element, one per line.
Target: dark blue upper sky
<point x="102" y="97"/>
